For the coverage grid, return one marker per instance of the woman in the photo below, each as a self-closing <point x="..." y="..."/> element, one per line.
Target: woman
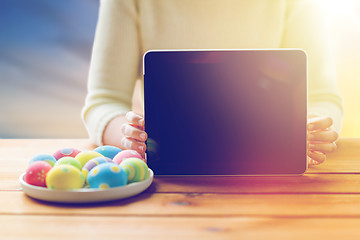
<point x="128" y="28"/>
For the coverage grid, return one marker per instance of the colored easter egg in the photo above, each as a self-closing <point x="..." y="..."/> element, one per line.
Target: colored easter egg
<point x="44" y="157"/>
<point x="66" y="152"/>
<point x="121" y="156"/>
<point x="107" y="175"/>
<point x="86" y="156"/>
<point x="64" y="177"/>
<point x="136" y="169"/>
<point x="93" y="163"/>
<point x="69" y="161"/>
<point x="36" y="173"/>
<point x="108" y="151"/>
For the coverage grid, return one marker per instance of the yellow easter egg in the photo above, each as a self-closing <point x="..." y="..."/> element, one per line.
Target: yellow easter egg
<point x="86" y="156"/>
<point x="64" y="177"/>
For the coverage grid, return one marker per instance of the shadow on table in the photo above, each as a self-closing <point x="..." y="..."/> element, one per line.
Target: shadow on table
<point x="247" y="184"/>
<point x="121" y="202"/>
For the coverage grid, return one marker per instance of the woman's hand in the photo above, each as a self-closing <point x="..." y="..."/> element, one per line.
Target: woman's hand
<point x="134" y="132"/>
<point x="320" y="139"/>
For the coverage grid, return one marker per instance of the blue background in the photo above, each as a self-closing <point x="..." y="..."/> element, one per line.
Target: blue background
<point x="45" y="50"/>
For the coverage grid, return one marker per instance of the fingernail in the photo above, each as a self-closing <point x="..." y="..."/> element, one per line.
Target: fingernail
<point x="142" y="136"/>
<point x="141" y="148"/>
<point x="127" y="144"/>
<point x="312" y="146"/>
<point x="127" y="116"/>
<point x="313" y="162"/>
<point x="311" y="127"/>
<point x="141" y="121"/>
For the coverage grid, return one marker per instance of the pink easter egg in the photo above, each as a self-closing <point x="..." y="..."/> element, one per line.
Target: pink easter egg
<point x="66" y="152"/>
<point x="125" y="154"/>
<point x="36" y="173"/>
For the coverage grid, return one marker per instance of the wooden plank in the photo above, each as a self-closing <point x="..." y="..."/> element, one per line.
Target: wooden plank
<point x="15" y="153"/>
<point x="44" y="145"/>
<point x="260" y="205"/>
<point x="308" y="183"/>
<point x="19" y="151"/>
<point x="79" y="227"/>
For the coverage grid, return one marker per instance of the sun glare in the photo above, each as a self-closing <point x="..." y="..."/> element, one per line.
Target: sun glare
<point x="343" y="21"/>
<point x="341" y="8"/>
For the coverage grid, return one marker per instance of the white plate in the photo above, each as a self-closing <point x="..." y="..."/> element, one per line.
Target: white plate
<point x="86" y="195"/>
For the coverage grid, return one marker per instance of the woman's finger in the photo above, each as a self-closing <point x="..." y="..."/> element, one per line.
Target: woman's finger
<point x="135" y="119"/>
<point x="312" y="161"/>
<point x="318" y="123"/>
<point x="322" y="147"/>
<point x="328" y="135"/>
<point x="318" y="157"/>
<point x="133" y="132"/>
<point x="133" y="144"/>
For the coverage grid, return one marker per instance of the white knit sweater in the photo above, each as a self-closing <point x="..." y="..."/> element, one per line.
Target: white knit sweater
<point x="128" y="28"/>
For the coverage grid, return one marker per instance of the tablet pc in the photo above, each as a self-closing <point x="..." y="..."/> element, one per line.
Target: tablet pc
<point x="226" y="112"/>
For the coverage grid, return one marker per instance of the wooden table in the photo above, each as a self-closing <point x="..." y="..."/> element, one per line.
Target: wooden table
<point x="322" y="204"/>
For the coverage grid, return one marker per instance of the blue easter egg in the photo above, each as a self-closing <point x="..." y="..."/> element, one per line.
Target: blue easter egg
<point x="108" y="151"/>
<point x="44" y="157"/>
<point x="93" y="163"/>
<point x="107" y="175"/>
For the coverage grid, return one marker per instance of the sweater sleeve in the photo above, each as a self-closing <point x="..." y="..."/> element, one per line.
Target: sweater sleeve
<point x="114" y="66"/>
<point x="305" y="28"/>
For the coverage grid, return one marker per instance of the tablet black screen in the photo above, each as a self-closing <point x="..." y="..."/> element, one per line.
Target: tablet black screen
<point x="225" y="112"/>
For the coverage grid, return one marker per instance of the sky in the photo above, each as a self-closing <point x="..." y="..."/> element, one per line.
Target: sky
<point x="45" y="50"/>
